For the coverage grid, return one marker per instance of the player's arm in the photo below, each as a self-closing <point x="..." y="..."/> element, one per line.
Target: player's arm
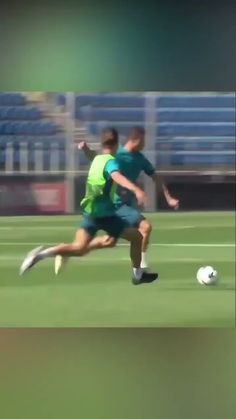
<point x="89" y="153"/>
<point x="125" y="183"/>
<point x="171" y="201"/>
<point x="161" y="187"/>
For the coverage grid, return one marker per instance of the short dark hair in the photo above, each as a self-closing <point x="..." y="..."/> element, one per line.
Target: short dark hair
<point x="136" y="132"/>
<point x="110" y="137"/>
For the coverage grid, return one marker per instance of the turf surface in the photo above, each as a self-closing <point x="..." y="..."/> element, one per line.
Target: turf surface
<point x="96" y="290"/>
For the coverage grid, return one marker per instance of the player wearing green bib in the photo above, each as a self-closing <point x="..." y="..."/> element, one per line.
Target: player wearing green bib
<point x="132" y="163"/>
<point x="99" y="213"/>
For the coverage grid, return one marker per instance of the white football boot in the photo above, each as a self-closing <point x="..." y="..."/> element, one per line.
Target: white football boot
<point x="59" y="263"/>
<point x="30" y="260"/>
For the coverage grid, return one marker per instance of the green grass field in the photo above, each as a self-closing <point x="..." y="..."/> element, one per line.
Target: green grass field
<point x="96" y="291"/>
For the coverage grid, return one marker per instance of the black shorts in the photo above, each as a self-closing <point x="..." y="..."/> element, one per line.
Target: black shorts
<point x="112" y="225"/>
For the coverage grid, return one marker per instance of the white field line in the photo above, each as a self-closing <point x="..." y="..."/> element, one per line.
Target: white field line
<point x="60" y="227"/>
<point x="8" y="257"/>
<point x="155" y="217"/>
<point x="67" y="218"/>
<point x="73" y="227"/>
<point x="127" y="244"/>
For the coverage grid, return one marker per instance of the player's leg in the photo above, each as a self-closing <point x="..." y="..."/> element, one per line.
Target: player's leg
<point x="133" y="236"/>
<point x="78" y="248"/>
<point x="91" y="226"/>
<point x="94" y="244"/>
<point x="134" y="218"/>
<point x="140" y="276"/>
<point x="102" y="242"/>
<point x="116" y="228"/>
<point x="145" y="229"/>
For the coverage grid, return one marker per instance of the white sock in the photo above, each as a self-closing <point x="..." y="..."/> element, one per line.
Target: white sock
<point x="144" y="264"/>
<point x="46" y="253"/>
<point x="137" y="272"/>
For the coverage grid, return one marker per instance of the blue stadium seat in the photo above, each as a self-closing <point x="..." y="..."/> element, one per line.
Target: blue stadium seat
<point x="111" y="114"/>
<point x="12" y="99"/>
<point x="196" y="129"/>
<point x="196" y="144"/>
<point x="196" y="115"/>
<point x="185" y="123"/>
<point x="28" y="128"/>
<point x="96" y="128"/>
<point x="196" y="101"/>
<point x="203" y="160"/>
<point x="29" y="139"/>
<point x="172" y="129"/>
<point x="201" y="121"/>
<point x="23" y="124"/>
<point x="111" y="100"/>
<point x="107" y="100"/>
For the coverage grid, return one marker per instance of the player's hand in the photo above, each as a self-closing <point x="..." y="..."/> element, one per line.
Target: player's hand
<point x="173" y="203"/>
<point x="141" y="197"/>
<point x="82" y="145"/>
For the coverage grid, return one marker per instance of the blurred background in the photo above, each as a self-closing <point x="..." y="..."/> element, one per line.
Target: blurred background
<point x="190" y="138"/>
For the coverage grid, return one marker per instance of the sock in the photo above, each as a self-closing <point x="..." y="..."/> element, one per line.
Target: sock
<point x="137" y="272"/>
<point x="144" y="261"/>
<point x="46" y="253"/>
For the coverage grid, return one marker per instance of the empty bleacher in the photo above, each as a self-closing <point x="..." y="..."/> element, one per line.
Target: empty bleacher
<point x="191" y="129"/>
<point x="26" y="127"/>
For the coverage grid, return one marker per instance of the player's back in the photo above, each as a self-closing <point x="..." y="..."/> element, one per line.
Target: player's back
<point x="131" y="165"/>
<point x="100" y="189"/>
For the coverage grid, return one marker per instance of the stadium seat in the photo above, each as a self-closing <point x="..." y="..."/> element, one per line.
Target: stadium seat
<point x="203" y="159"/>
<point x="12" y="99"/>
<point x="196" y="115"/>
<point x="183" y="121"/>
<point x="196" y="101"/>
<point x="137" y="115"/>
<point x="113" y="115"/>
<point x="184" y="124"/>
<point x="29" y="128"/>
<point x="196" y="129"/>
<point x="196" y="144"/>
<point x="110" y="100"/>
<point x="172" y="129"/>
<point x="20" y="113"/>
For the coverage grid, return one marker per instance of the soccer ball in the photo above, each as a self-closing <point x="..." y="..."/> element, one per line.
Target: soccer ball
<point x="207" y="275"/>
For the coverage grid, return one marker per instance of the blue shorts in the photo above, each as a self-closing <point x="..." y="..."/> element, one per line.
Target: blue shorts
<point x="130" y="215"/>
<point x="112" y="225"/>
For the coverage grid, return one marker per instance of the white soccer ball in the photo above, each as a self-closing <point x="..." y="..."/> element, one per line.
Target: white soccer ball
<point x="207" y="275"/>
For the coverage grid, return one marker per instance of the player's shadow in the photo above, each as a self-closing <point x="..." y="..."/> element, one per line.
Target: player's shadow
<point x="148" y="281"/>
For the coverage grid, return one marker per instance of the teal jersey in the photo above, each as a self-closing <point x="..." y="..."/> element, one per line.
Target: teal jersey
<point x="110" y="167"/>
<point x="131" y="166"/>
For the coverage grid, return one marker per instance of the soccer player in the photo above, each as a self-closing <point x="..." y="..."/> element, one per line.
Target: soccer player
<point x="99" y="214"/>
<point x="132" y="163"/>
